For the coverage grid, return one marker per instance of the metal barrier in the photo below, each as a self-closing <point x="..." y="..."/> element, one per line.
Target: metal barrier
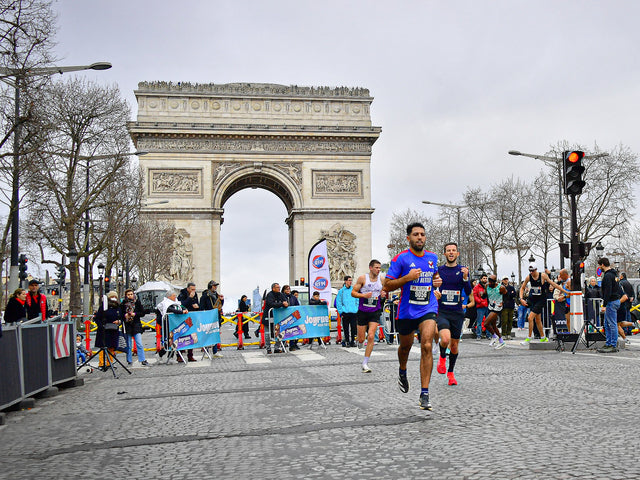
<point x="28" y="362"/>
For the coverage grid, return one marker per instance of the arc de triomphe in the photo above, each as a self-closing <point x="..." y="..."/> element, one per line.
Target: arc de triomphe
<point x="310" y="146"/>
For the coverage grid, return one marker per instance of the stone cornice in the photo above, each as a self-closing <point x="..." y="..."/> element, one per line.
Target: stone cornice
<point x="251" y="90"/>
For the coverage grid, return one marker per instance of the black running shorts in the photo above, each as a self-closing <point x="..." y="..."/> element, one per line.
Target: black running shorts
<point x="451" y="320"/>
<point x="538" y="306"/>
<point x="365" y="317"/>
<point x="406" y="326"/>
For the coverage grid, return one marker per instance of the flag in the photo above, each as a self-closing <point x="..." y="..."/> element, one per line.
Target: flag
<point x="319" y="278"/>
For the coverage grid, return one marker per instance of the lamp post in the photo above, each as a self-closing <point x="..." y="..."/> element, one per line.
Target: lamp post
<point x="513" y="278"/>
<point x="19" y="75"/>
<point x="101" y="268"/>
<point x="556" y="162"/>
<point x="449" y="205"/>
<point x="599" y="249"/>
<point x="85" y="287"/>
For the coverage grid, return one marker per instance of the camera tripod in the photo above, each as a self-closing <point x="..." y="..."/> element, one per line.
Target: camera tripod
<point x="583" y="336"/>
<point x="108" y="358"/>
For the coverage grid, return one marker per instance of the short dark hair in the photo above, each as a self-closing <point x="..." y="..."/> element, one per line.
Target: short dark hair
<point x="450" y="243"/>
<point x="413" y="225"/>
<point x="623" y="275"/>
<point x="315" y="293"/>
<point x="373" y="262"/>
<point x="191" y="284"/>
<point x="347" y="277"/>
<point x="604" y="261"/>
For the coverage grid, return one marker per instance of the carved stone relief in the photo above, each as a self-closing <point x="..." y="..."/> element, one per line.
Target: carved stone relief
<point x="337" y="184"/>
<point x="291" y="170"/>
<point x="341" y="250"/>
<point x="251" y="145"/>
<point x="181" y="270"/>
<point x="183" y="181"/>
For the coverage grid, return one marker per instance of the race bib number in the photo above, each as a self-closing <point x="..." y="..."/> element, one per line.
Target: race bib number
<point x="450" y="297"/>
<point x="371" y="302"/>
<point x="419" y="294"/>
<point x="495" y="305"/>
<point x="535" y="291"/>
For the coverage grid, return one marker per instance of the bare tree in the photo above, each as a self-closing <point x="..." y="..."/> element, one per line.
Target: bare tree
<point x="516" y="196"/>
<point x="487" y="220"/>
<point x="543" y="215"/>
<point x="88" y="121"/>
<point x="27" y="29"/>
<point x="151" y="252"/>
<point x="436" y="232"/>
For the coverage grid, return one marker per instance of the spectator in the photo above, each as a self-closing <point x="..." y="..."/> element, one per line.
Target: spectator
<point x="81" y="351"/>
<point x="347" y="307"/>
<point x="16" y="310"/>
<point x="169" y="304"/>
<point x="470" y="311"/>
<point x="36" y="302"/>
<point x="482" y="304"/>
<point x="508" y="306"/>
<point x="611" y="294"/>
<point x="523" y="310"/>
<point x="132" y="312"/>
<point x="627" y="288"/>
<point x="212" y="300"/>
<point x="274" y="299"/>
<point x="189" y="300"/>
<point x="293" y="302"/>
<point x="591" y="293"/>
<point x="243" y="308"/>
<point x="316" y="300"/>
<point x="107" y="337"/>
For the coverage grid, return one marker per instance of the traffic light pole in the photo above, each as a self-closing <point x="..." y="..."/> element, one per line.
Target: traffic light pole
<point x="576" y="306"/>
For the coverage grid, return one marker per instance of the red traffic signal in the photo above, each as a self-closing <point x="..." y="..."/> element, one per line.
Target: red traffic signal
<point x="572" y="171"/>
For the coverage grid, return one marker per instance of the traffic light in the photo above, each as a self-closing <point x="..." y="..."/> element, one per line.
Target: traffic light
<point x="107" y="284"/>
<point x="572" y="170"/>
<point x="22" y="266"/>
<point x="62" y="274"/>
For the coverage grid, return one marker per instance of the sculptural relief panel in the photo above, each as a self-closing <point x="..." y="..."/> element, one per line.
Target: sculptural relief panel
<point x="341" y="250"/>
<point x="175" y="182"/>
<point x="332" y="183"/>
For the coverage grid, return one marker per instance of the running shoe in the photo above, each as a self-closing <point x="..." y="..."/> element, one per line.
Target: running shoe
<point x="403" y="383"/>
<point x="627" y="341"/>
<point x="493" y="341"/>
<point x="526" y="341"/>
<point x="424" y="402"/>
<point x="452" y="378"/>
<point x="500" y="344"/>
<point x="544" y="340"/>
<point x="442" y="365"/>
<point x="366" y="369"/>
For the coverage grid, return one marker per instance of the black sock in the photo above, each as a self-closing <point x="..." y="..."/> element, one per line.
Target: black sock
<point x="452" y="361"/>
<point x="443" y="351"/>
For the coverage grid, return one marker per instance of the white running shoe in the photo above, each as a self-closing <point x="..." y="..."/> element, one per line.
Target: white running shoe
<point x="526" y="342"/>
<point x="500" y="344"/>
<point x="366" y="369"/>
<point x="493" y="341"/>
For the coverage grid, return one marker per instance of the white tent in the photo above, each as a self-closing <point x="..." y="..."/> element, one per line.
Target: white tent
<point x="157" y="286"/>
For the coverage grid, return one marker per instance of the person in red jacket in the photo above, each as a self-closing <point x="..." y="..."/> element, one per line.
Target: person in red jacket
<point x="482" y="304"/>
<point x="36" y="302"/>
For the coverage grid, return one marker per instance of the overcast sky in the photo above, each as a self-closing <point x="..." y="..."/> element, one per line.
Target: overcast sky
<point x="455" y="85"/>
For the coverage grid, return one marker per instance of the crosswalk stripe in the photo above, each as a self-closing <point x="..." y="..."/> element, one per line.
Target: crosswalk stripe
<point x="255" y="357"/>
<point x="307" y="355"/>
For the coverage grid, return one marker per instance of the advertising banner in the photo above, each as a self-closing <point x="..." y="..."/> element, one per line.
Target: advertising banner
<point x="194" y="329"/>
<point x="319" y="277"/>
<point x="302" y="321"/>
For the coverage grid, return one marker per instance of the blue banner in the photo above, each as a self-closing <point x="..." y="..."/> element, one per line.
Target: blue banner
<point x="303" y="321"/>
<point x="194" y="329"/>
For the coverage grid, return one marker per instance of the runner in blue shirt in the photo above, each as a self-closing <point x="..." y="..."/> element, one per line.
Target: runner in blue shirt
<point x="415" y="271"/>
<point x="455" y="284"/>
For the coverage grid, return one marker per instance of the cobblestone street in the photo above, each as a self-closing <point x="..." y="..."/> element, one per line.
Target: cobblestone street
<point x="516" y="413"/>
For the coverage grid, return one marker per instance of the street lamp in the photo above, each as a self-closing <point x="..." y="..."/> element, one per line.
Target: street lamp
<point x="513" y="278"/>
<point x="18" y="75"/>
<point x="532" y="258"/>
<point x="599" y="249"/>
<point x="101" y="268"/>
<point x="556" y="162"/>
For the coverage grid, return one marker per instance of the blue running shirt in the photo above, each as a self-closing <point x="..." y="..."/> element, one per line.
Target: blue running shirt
<point x="453" y="287"/>
<point x="415" y="297"/>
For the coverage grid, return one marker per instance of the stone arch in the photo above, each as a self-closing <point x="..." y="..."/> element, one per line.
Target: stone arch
<point x="263" y="176"/>
<point x="310" y="146"/>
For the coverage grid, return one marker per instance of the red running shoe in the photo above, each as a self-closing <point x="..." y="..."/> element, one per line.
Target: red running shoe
<point x="452" y="379"/>
<point x="442" y="365"/>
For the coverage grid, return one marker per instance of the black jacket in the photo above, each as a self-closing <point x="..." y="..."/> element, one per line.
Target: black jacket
<point x="610" y="287"/>
<point x="134" y="326"/>
<point x="15" y="311"/>
<point x="509" y="298"/>
<point x="113" y="313"/>
<point x="187" y="301"/>
<point x="272" y="300"/>
<point x="208" y="299"/>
